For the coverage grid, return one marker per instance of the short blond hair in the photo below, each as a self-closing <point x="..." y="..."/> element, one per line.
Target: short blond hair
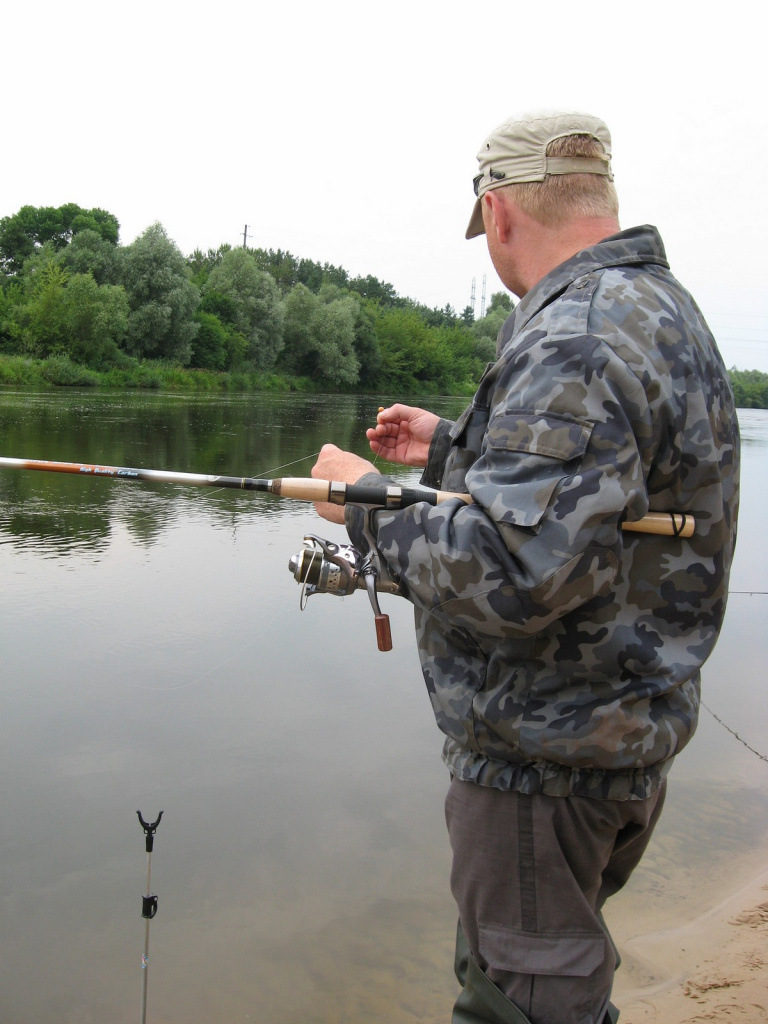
<point x="560" y="197"/>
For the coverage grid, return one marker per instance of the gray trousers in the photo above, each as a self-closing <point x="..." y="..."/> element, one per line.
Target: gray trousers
<point x="530" y="876"/>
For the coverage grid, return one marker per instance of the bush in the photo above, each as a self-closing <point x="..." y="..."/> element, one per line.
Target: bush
<point x="62" y="372"/>
<point x="20" y="370"/>
<point x="147" y="376"/>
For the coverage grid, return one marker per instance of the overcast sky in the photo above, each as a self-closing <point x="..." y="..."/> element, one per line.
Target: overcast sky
<point x="347" y="132"/>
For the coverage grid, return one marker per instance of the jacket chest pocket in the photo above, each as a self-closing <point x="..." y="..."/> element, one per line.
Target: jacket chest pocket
<point x="526" y="456"/>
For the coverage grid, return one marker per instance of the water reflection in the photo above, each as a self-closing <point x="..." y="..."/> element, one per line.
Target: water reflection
<point x="262" y="435"/>
<point x="154" y="657"/>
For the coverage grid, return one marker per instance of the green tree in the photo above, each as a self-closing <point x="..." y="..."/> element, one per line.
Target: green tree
<point x="89" y="253"/>
<point x="297" y="355"/>
<point x="23" y="233"/>
<point x="218" y="345"/>
<point x="486" y="329"/>
<point x="222" y="306"/>
<point x="41" y="319"/>
<point x="320" y="334"/>
<point x="407" y="346"/>
<point x="95" y="321"/>
<point x="103" y="223"/>
<point x="367" y="346"/>
<point x="257" y="309"/>
<point x="201" y="264"/>
<point x="281" y="266"/>
<point x="334" y="332"/>
<point x="750" y="388"/>
<point x="69" y="314"/>
<point x="162" y="298"/>
<point x="370" y="287"/>
<point x="12" y="300"/>
<point x="18" y="239"/>
<point x="501" y="300"/>
<point x="419" y="358"/>
<point x="315" y="275"/>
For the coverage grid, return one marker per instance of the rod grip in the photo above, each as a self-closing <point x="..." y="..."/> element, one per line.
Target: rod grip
<point x="665" y="524"/>
<point x="303" y="488"/>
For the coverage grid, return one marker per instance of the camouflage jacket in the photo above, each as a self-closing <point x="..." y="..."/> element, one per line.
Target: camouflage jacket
<point x="562" y="654"/>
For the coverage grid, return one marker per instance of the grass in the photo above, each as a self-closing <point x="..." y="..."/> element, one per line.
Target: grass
<point x="60" y="371"/>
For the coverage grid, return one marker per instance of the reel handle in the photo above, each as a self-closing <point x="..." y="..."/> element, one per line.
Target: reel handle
<point x="383" y="632"/>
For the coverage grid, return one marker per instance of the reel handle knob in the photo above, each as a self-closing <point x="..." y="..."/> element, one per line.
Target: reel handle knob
<point x="383" y="632"/>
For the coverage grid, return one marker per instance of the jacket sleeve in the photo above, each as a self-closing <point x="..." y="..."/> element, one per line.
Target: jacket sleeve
<point x="558" y="468"/>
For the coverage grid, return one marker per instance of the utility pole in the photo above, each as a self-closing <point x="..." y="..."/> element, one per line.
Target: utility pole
<point x="245" y="236"/>
<point x="472" y="296"/>
<point x="482" y="301"/>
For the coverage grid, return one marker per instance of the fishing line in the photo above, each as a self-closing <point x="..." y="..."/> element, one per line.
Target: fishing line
<point x="285" y="465"/>
<point x="218" y="490"/>
<point x="269" y="472"/>
<point x="749" y="593"/>
<point x="735" y="734"/>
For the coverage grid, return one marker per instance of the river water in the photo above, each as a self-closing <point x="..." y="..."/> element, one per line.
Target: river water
<point x="153" y="656"/>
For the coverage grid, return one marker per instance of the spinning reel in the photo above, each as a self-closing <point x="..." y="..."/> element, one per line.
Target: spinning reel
<point x="324" y="567"/>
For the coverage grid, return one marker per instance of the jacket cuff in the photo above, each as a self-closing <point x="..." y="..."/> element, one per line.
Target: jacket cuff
<point x="438" y="453"/>
<point x="355" y="515"/>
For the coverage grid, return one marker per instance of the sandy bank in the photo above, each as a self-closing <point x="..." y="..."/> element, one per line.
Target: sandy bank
<point x="713" y="967"/>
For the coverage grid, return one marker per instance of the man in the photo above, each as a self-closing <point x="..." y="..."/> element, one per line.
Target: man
<point x="561" y="653"/>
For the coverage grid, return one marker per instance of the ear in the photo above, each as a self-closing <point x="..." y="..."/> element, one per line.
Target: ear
<point x="497" y="211"/>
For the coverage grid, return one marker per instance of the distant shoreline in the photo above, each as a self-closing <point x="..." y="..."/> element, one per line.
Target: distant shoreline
<point x="61" y="372"/>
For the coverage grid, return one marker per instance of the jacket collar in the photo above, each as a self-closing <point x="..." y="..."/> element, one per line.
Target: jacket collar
<point x="636" y="246"/>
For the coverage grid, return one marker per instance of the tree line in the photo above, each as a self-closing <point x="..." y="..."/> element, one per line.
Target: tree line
<point x="750" y="388"/>
<point x="70" y="289"/>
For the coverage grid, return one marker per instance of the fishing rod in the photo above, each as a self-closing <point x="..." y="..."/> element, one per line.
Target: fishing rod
<point x="324" y="567"/>
<point x="388" y="496"/>
<point x="296" y="488"/>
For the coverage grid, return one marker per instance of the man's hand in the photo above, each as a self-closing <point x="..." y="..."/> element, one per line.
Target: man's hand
<point x="346" y="468"/>
<point x="403" y="434"/>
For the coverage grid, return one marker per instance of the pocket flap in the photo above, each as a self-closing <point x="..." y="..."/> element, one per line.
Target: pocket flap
<point x="526" y="457"/>
<point x="551" y="435"/>
<point x="572" y="954"/>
